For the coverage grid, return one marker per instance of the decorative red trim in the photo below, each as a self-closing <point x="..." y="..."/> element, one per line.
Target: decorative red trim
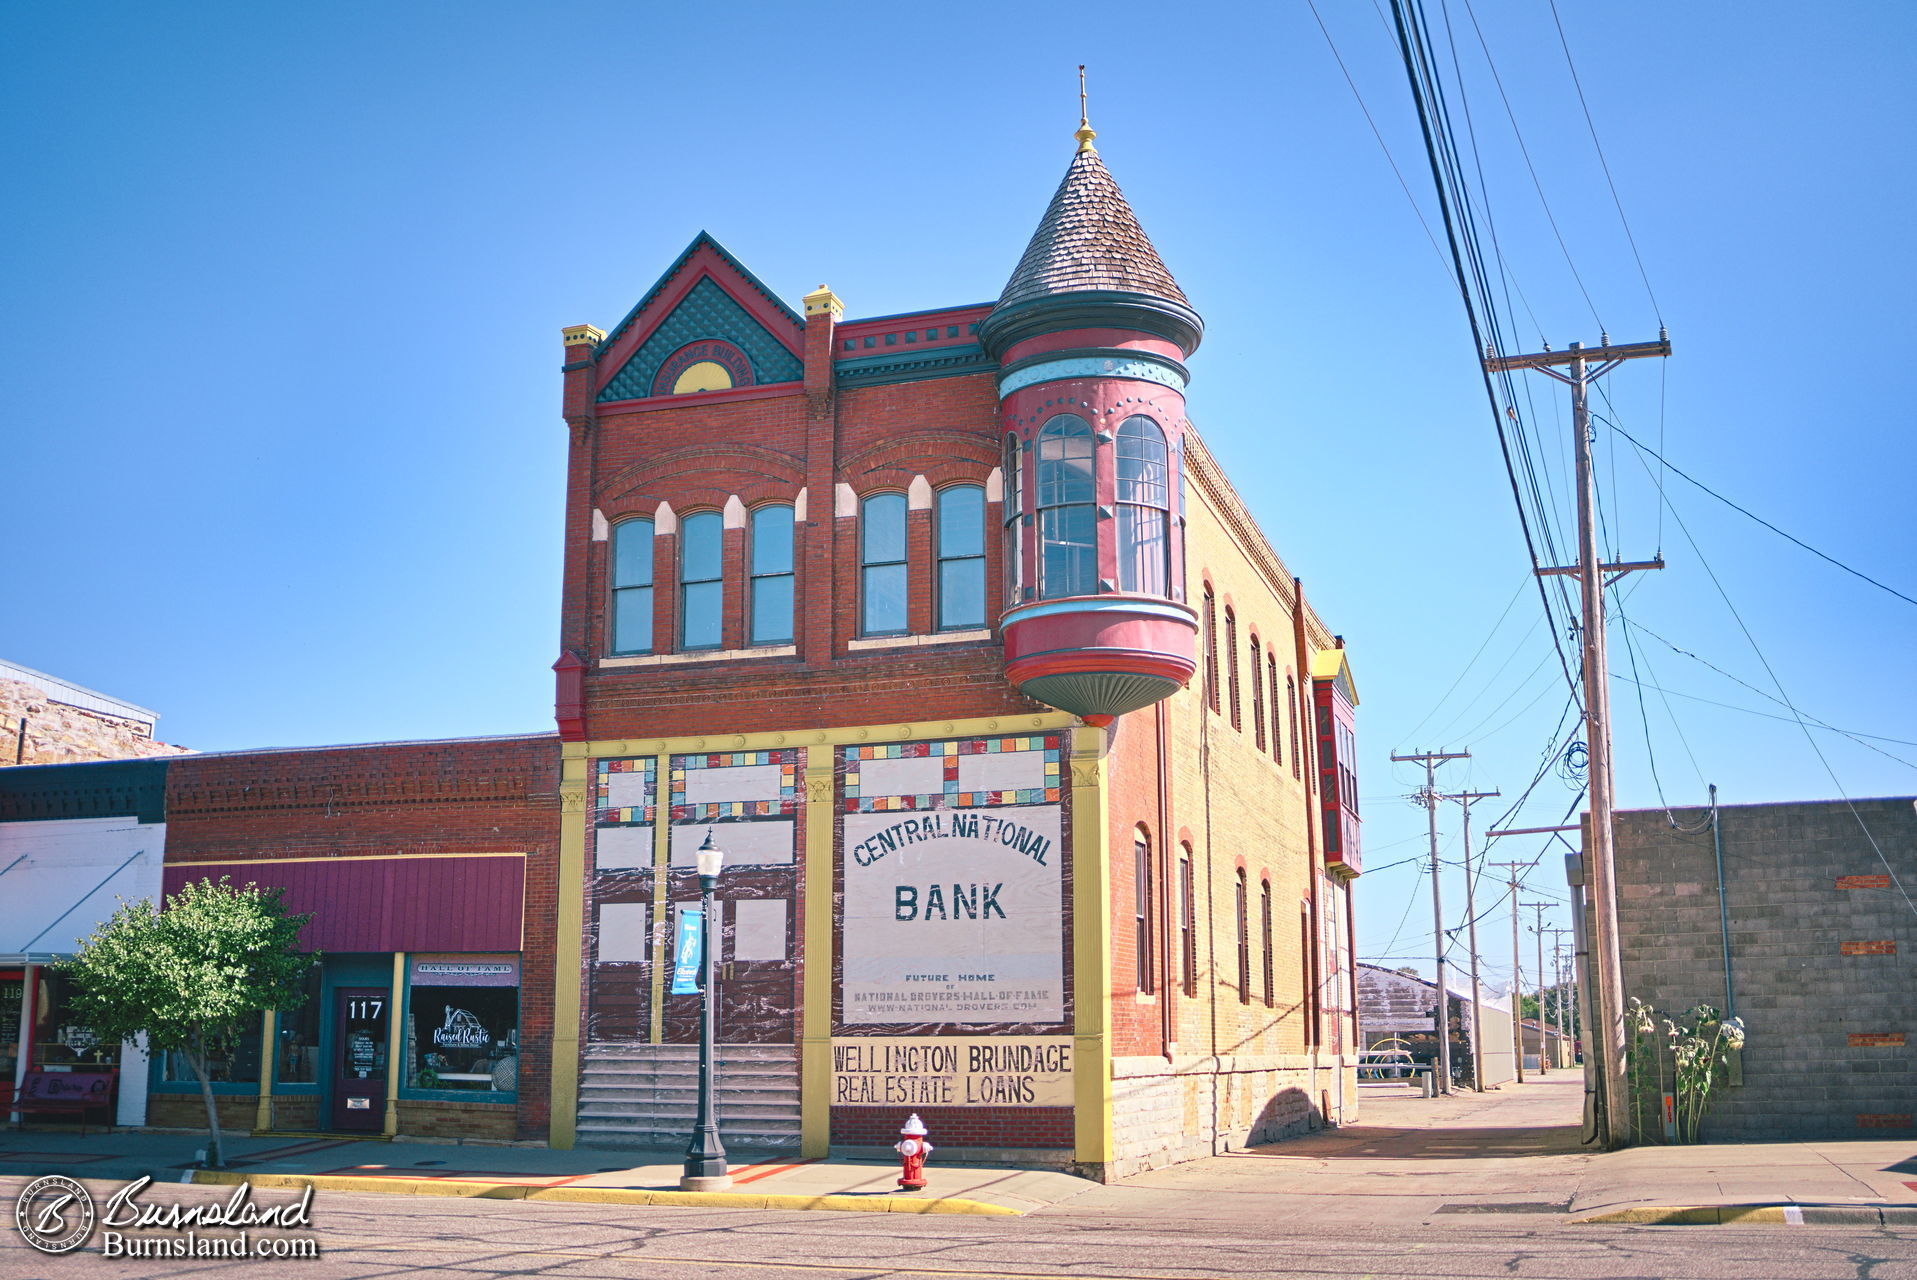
<point x="766" y="392"/>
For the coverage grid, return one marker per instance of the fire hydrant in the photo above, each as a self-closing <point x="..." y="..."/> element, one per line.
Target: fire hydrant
<point x="912" y="1148"/>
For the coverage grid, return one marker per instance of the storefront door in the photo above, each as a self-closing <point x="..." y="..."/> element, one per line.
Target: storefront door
<point x="361" y="1021"/>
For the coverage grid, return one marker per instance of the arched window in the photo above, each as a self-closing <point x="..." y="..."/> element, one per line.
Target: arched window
<point x="1231" y="659"/>
<point x="701" y="581"/>
<point x="960" y="536"/>
<point x="1014" y="516"/>
<point x="1264" y="908"/>
<point x="1211" y="647"/>
<point x="1243" y="905"/>
<point x="770" y="607"/>
<point x="1277" y="712"/>
<point x="1257" y="693"/>
<point x="1142" y="899"/>
<point x="632" y="586"/>
<point x="1067" y="510"/>
<point x="882" y="587"/>
<point x="1187" y="922"/>
<point x="1291" y="709"/>
<point x="1144" y="507"/>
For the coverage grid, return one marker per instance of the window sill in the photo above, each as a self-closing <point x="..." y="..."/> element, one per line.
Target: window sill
<point x="909" y="642"/>
<point x="701" y="655"/>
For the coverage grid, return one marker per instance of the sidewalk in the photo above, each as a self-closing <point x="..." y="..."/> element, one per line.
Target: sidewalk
<point x="586" y="1175"/>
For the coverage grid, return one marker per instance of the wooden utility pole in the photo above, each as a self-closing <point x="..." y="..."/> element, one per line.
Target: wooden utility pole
<point x="1539" y="930"/>
<point x="1557" y="974"/>
<point x="1428" y="797"/>
<point x="1517" y="974"/>
<point x="1582" y="368"/>
<point x="1465" y="799"/>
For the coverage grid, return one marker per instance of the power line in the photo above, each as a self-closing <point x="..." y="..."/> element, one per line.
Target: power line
<point x="1753" y="515"/>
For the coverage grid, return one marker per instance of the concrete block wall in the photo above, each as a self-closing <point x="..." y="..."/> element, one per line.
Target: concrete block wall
<point x="1168" y="1111"/>
<point x="1823" y="956"/>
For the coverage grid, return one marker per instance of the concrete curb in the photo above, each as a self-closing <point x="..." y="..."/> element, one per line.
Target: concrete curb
<point x="1794" y="1215"/>
<point x="600" y="1195"/>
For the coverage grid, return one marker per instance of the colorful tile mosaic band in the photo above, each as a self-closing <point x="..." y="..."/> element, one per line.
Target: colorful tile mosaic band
<point x="607" y="814"/>
<point x="767" y="805"/>
<point x="951" y="797"/>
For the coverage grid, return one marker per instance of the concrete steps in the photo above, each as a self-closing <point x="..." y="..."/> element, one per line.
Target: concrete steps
<point x="647" y="1095"/>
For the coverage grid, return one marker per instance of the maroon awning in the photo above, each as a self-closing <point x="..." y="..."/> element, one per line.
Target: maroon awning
<point x="389" y="904"/>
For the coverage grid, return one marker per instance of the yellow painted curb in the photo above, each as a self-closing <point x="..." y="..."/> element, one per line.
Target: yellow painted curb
<point x="1689" y="1215"/>
<point x="601" y="1195"/>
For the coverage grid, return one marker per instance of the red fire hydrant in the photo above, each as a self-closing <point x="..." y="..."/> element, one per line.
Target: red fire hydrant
<point x="912" y="1148"/>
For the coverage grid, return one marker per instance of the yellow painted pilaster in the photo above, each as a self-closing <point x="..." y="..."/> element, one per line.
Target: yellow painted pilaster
<point x="394" y="1067"/>
<point x="568" y="953"/>
<point x="661" y="909"/>
<point x="269" y="1031"/>
<point x="1091" y="950"/>
<point x="815" y="1052"/>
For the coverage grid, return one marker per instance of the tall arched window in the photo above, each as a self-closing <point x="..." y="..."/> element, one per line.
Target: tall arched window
<point x="632" y="586"/>
<point x="1257" y="693"/>
<point x="701" y="581"/>
<point x="882" y="587"/>
<point x="1231" y="660"/>
<point x="1144" y="507"/>
<point x="770" y="607"/>
<point x="1211" y="647"/>
<point x="1067" y="510"/>
<point x="1264" y="908"/>
<point x="1142" y="899"/>
<point x="1013" y="515"/>
<point x="1291" y="709"/>
<point x="960" y="536"/>
<point x="1277" y="712"/>
<point x="1243" y="905"/>
<point x="1187" y="922"/>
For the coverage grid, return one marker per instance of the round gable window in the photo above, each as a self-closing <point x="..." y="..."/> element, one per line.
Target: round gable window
<point x="706" y="375"/>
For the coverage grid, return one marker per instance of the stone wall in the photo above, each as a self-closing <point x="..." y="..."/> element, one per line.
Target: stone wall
<point x="1167" y="1111"/>
<point x="55" y="733"/>
<point x="1821" y="944"/>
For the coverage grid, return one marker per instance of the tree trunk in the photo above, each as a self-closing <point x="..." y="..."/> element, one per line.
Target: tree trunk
<point x="196" y="1057"/>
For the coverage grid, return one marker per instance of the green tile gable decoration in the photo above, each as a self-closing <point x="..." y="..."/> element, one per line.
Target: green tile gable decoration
<point x="707" y="311"/>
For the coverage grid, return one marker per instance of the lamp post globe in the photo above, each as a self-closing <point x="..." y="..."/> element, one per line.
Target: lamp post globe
<point x="705" y="1168"/>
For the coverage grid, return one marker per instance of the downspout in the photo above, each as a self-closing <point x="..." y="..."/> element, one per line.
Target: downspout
<point x="1211" y="896"/>
<point x="1723" y="910"/>
<point x="1168" y="1026"/>
<point x="1314" y="1014"/>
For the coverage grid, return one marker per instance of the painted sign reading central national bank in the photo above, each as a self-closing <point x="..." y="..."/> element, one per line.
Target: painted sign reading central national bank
<point x="954" y="916"/>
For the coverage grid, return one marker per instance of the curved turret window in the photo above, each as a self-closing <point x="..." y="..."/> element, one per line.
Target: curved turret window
<point x="882" y="590"/>
<point x="701" y="581"/>
<point x="1067" y="510"/>
<point x="960" y="531"/>
<point x="632" y="586"/>
<point x="770" y="605"/>
<point x="1144" y="508"/>
<point x="1014" y="515"/>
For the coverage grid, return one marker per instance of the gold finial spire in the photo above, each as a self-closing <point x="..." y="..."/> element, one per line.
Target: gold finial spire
<point x="1085" y="132"/>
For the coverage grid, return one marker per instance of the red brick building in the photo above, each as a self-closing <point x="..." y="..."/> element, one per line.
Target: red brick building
<point x="906" y="612"/>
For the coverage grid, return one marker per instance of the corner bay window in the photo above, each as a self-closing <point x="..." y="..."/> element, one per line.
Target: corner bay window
<point x="771" y="569"/>
<point x="1144" y="504"/>
<point x="701" y="580"/>
<point x="1067" y="510"/>
<point x="882" y="585"/>
<point x="462" y="1025"/>
<point x="632" y="586"/>
<point x="960" y="532"/>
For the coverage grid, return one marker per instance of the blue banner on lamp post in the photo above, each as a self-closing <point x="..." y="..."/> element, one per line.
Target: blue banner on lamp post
<point x="688" y="951"/>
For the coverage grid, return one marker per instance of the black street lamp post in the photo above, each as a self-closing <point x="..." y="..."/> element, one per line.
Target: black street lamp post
<point x="705" y="1156"/>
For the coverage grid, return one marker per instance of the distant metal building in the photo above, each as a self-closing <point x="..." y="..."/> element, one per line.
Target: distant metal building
<point x="1397" y="1006"/>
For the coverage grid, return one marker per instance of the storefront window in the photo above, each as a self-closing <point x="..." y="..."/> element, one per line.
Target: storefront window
<point x="234" y="1058"/>
<point x="12" y="989"/>
<point x="462" y="1029"/>
<point x="296" y="1056"/>
<point x="59" y="1038"/>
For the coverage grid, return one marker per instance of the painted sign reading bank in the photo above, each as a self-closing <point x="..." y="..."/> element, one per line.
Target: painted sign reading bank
<point x="953" y="916"/>
<point x="955" y="1071"/>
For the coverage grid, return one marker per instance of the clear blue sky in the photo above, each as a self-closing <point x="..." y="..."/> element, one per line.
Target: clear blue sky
<point x="283" y="287"/>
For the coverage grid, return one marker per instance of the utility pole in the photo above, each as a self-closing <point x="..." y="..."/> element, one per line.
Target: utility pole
<point x="1539" y="930"/>
<point x="1428" y="797"/>
<point x="1557" y="971"/>
<point x="1517" y="976"/>
<point x="1465" y="799"/>
<point x="1584" y="368"/>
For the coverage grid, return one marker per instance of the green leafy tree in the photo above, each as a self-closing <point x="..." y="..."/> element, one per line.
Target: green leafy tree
<point x="190" y="976"/>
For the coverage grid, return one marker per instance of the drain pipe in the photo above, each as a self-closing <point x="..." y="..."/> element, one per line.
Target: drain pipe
<point x="1723" y="911"/>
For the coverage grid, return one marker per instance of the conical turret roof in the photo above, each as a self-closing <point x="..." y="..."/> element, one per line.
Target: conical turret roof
<point x="1089" y="240"/>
